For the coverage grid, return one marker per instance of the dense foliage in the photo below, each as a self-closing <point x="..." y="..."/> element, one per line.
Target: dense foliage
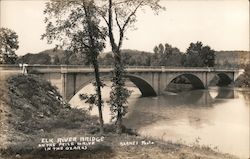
<point x="130" y="58"/>
<point x="198" y="55"/>
<point x="166" y="55"/>
<point x="244" y="79"/>
<point x="8" y="46"/>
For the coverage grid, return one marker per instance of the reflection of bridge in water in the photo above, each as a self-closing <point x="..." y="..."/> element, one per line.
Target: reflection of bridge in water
<point x="192" y="105"/>
<point x="151" y="81"/>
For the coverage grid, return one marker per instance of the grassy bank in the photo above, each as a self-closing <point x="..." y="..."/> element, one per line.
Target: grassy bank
<point x="32" y="111"/>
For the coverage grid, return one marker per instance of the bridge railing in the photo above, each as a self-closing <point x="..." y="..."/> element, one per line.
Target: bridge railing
<point x="70" y="67"/>
<point x="9" y="67"/>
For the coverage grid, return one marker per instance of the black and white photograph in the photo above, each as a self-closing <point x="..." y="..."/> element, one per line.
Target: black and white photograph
<point x="124" y="79"/>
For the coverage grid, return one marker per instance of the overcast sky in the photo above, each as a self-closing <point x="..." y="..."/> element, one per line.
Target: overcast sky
<point x="221" y="24"/>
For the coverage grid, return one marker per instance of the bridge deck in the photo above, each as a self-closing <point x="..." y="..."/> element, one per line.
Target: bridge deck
<point x="78" y="69"/>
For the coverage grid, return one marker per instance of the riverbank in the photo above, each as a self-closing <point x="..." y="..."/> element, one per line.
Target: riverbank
<point x="118" y="147"/>
<point x="114" y="147"/>
<point x="35" y="119"/>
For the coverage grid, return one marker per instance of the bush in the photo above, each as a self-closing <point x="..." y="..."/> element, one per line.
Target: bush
<point x="244" y="79"/>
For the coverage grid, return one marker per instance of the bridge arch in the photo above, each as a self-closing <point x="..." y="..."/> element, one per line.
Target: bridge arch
<point x="194" y="80"/>
<point x="224" y="79"/>
<point x="143" y="85"/>
<point x="221" y="79"/>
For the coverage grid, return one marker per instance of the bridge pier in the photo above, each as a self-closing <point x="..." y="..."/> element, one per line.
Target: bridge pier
<point x="162" y="83"/>
<point x="156" y="82"/>
<point x="68" y="85"/>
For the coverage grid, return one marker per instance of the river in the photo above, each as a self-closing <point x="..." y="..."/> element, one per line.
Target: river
<point x="217" y="117"/>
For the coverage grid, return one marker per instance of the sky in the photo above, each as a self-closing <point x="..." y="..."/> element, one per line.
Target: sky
<point x="221" y="24"/>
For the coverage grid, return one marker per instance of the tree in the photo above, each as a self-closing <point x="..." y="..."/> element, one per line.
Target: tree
<point x="56" y="60"/>
<point x="208" y="56"/>
<point x="166" y="55"/>
<point x="121" y="15"/>
<point x="8" y="46"/>
<point x="107" y="60"/>
<point x="198" y="55"/>
<point x="130" y="58"/>
<point x="193" y="58"/>
<point x="75" y="24"/>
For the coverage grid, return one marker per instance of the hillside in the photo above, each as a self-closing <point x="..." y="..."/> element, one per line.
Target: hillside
<point x="232" y="58"/>
<point x="53" y="57"/>
<point x="52" y="52"/>
<point x="30" y="106"/>
<point x="31" y="110"/>
<point x="132" y="57"/>
<point x="40" y="58"/>
<point x="43" y="57"/>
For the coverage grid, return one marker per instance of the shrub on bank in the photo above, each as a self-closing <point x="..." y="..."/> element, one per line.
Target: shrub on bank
<point x="243" y="80"/>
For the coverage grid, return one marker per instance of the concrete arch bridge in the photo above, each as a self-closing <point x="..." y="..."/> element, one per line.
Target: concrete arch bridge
<point x="151" y="81"/>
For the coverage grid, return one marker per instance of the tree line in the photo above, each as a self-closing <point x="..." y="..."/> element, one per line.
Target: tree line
<point x="196" y="55"/>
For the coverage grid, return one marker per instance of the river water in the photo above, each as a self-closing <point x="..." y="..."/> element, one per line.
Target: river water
<point x="217" y="117"/>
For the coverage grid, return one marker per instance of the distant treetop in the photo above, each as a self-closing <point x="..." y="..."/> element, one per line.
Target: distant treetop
<point x="8" y="46"/>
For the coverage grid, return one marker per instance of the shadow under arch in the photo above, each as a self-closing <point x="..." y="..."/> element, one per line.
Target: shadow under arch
<point x="221" y="80"/>
<point x="193" y="79"/>
<point x="224" y="79"/>
<point x="145" y="88"/>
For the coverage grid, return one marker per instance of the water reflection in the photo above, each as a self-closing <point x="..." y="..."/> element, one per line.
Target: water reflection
<point x="218" y="116"/>
<point x="246" y="96"/>
<point x="225" y="92"/>
<point x="170" y="108"/>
